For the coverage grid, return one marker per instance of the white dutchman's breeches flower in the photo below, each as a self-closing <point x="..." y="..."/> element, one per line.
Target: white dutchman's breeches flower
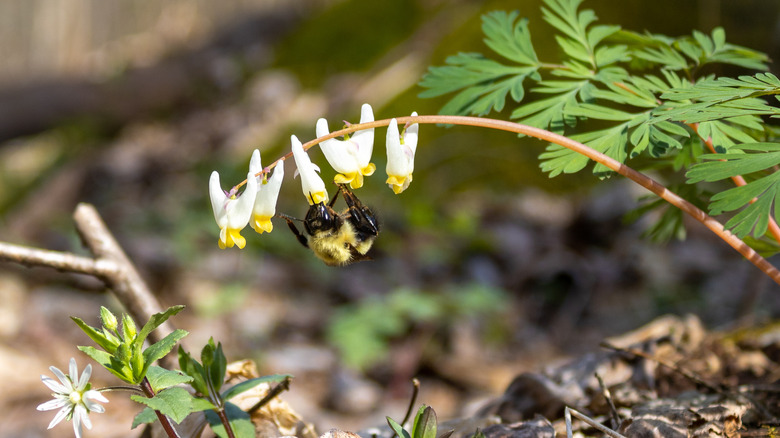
<point x="231" y="211"/>
<point x="400" y="155"/>
<point x="267" y="194"/>
<point x="312" y="185"/>
<point x="350" y="157"/>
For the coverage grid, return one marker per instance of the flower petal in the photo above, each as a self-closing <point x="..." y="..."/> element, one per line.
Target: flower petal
<point x="411" y="135"/>
<point x="52" y="404"/>
<point x="312" y="185"/>
<point x="255" y="164"/>
<point x="74" y="371"/>
<point x="91" y="399"/>
<point x="397" y="159"/>
<point x="341" y="154"/>
<point x="267" y="196"/>
<point x="85" y="375"/>
<point x="365" y="138"/>
<point x="54" y="385"/>
<point x="218" y="199"/>
<point x="60" y="415"/>
<point x="81" y="412"/>
<point x="79" y="415"/>
<point x="240" y="210"/>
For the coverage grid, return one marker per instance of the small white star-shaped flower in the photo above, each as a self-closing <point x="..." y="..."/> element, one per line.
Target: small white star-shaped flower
<point x="73" y="397"/>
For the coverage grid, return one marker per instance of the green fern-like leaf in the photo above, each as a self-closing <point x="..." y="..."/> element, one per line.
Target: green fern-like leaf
<point x="485" y="83"/>
<point x="758" y="197"/>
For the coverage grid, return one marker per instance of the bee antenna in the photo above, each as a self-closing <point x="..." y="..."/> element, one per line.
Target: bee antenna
<point x="287" y="217"/>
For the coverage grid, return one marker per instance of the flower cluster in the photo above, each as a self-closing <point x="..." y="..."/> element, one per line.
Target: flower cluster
<point x="350" y="158"/>
<point x="73" y="397"/>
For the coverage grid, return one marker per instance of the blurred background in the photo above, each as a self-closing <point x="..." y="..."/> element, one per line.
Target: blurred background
<point x="484" y="268"/>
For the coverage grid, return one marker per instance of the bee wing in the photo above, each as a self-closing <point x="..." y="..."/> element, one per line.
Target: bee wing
<point x="361" y="217"/>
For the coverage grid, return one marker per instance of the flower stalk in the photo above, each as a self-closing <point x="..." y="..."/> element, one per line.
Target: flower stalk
<point x="164" y="421"/>
<point x="643" y="180"/>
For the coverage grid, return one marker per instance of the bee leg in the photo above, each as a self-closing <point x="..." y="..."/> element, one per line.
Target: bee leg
<point x="301" y="238"/>
<point x="361" y="217"/>
<point x="335" y="196"/>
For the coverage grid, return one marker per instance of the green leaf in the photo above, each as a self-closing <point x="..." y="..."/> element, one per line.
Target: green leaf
<point x="106" y="343"/>
<point x="509" y="39"/>
<point x="109" y="362"/>
<point x="252" y="383"/>
<point x="723" y="135"/>
<point x="158" y="350"/>
<point x="743" y="160"/>
<point x="239" y="421"/>
<point x="155" y="321"/>
<point x="192" y="368"/>
<point x="425" y="423"/>
<point x="201" y="404"/>
<point x="563" y="15"/>
<point x="736" y="163"/>
<point x="765" y="247"/>
<point x="551" y="113"/>
<point x="175" y="403"/>
<point x="218" y="367"/>
<point x="664" y="55"/>
<point x="161" y="378"/>
<point x="755" y="217"/>
<point x="397" y="428"/>
<point x="609" y="55"/>
<point x="597" y="33"/>
<point x="146" y="416"/>
<point x="598" y="112"/>
<point x="557" y="159"/>
<point x="484" y="83"/>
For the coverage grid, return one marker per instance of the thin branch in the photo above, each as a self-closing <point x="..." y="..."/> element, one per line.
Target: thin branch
<point x="412" y="400"/>
<point x="608" y="397"/>
<point x="110" y="264"/>
<point x="284" y="385"/>
<point x="687" y="374"/>
<point x="61" y="261"/>
<point x="126" y="283"/>
<point x="568" y="412"/>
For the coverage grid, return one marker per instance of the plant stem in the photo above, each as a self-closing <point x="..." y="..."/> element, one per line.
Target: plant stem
<point x="739" y="181"/>
<point x="412" y="400"/>
<point x="225" y="422"/>
<point x="165" y="421"/>
<point x="638" y="177"/>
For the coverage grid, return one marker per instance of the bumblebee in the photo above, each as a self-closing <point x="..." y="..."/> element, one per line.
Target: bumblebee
<point x="338" y="239"/>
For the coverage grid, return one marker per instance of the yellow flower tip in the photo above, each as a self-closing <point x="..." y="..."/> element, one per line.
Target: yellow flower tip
<point x="341" y="178"/>
<point x="399" y="183"/>
<point x="368" y="170"/>
<point x="395" y="180"/>
<point x="230" y="238"/>
<point x="357" y="182"/>
<point x="316" y="198"/>
<point x="262" y="224"/>
<point x="237" y="238"/>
